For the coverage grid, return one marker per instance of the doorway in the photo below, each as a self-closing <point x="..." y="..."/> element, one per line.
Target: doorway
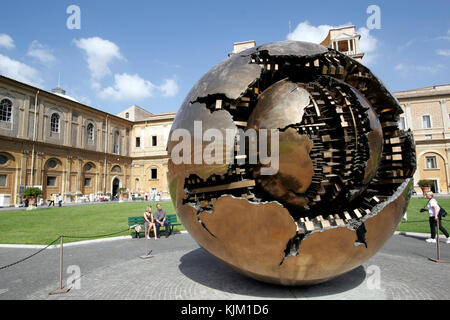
<point x="115" y="189"/>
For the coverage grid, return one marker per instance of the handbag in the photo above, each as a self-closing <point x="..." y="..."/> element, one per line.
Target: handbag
<point x="442" y="212"/>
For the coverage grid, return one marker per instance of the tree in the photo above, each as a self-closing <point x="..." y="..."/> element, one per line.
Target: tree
<point x="32" y="192"/>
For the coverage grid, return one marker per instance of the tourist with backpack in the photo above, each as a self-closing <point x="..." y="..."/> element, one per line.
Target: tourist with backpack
<point x="436" y="213"/>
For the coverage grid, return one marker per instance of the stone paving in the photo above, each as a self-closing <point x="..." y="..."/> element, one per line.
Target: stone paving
<point x="180" y="270"/>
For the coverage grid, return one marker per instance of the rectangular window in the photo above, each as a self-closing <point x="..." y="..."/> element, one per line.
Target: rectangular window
<point x="51" y="181"/>
<point x="138" y="142"/>
<point x="154" y="174"/>
<point x="431" y="162"/>
<point x="426" y="122"/>
<point x="401" y="123"/>
<point x="87" y="182"/>
<point x="3" y="178"/>
<point x="428" y="137"/>
<point x="154" y="141"/>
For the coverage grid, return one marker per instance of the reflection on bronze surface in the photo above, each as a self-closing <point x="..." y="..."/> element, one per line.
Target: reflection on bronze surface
<point x="345" y="168"/>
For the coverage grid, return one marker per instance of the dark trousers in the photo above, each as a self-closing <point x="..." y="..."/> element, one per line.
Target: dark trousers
<point x="433" y="224"/>
<point x="166" y="224"/>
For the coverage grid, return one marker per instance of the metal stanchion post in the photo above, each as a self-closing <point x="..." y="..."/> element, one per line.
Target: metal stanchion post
<point x="438" y="248"/>
<point x="60" y="290"/>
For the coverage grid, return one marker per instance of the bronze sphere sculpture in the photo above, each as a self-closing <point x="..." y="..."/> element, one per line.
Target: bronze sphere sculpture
<point x="327" y="190"/>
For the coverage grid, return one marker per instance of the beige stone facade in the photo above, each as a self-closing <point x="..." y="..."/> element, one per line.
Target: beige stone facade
<point x="345" y="40"/>
<point x="52" y="141"/>
<point x="427" y="114"/>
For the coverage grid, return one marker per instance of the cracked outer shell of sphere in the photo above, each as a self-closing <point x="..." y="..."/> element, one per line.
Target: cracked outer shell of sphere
<point x="344" y="175"/>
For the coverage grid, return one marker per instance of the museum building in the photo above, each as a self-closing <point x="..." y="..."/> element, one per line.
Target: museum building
<point x="49" y="140"/>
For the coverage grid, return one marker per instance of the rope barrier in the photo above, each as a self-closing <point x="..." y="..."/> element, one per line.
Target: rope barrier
<point x="58" y="239"/>
<point x="97" y="236"/>
<point x="29" y="257"/>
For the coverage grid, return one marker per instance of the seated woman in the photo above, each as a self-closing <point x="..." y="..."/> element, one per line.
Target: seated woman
<point x="149" y="223"/>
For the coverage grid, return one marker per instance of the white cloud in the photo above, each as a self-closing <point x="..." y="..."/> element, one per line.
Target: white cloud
<point x="406" y="69"/>
<point x="40" y="52"/>
<point x="99" y="54"/>
<point x="443" y="52"/>
<point x="368" y="45"/>
<point x="401" y="67"/>
<point x="128" y="87"/>
<point x="169" y="88"/>
<point x="19" y="71"/>
<point x="6" y="41"/>
<point x="406" y="45"/>
<point x="307" y="32"/>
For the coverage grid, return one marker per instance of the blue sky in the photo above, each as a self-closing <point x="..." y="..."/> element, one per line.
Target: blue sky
<point x="151" y="53"/>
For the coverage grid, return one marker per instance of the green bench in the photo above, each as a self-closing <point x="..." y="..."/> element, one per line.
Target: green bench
<point x="171" y="218"/>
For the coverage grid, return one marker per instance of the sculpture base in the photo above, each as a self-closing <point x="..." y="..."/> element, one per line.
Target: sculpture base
<point x="438" y="260"/>
<point x="59" y="291"/>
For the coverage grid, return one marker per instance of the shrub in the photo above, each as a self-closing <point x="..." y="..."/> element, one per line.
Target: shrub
<point x="425" y="183"/>
<point x="32" y="192"/>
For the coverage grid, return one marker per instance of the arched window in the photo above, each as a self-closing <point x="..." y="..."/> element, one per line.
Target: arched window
<point x="54" y="123"/>
<point x="116" y="142"/>
<point x="116" y="169"/>
<point x="5" y="110"/>
<point x="90" y="132"/>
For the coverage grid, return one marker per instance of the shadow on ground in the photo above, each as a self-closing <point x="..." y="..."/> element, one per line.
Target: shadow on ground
<point x="201" y="267"/>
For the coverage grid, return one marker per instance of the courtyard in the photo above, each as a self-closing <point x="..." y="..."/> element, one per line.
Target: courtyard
<point x="113" y="270"/>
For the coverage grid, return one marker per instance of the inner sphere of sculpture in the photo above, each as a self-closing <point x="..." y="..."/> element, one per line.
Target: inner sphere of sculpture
<point x="344" y="167"/>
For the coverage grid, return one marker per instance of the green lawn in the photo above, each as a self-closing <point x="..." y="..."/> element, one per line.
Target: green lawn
<point x="45" y="225"/>
<point x="417" y="221"/>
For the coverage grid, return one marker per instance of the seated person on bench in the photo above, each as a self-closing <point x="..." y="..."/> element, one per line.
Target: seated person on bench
<point x="161" y="220"/>
<point x="149" y="223"/>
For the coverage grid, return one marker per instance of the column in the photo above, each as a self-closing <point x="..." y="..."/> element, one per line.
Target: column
<point x="79" y="174"/>
<point x="67" y="195"/>
<point x="24" y="115"/>
<point x="68" y="136"/>
<point x="107" y="174"/>
<point x="39" y="169"/>
<point x="24" y="167"/>
<point x="445" y="117"/>
<point x="408" y="117"/>
<point x="100" y="177"/>
<point x="40" y="125"/>
<point x="132" y="185"/>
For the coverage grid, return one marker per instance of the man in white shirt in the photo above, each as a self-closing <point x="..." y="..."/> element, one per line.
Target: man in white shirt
<point x="433" y="212"/>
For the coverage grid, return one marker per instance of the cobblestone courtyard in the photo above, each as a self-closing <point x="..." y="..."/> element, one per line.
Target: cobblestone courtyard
<point x="181" y="270"/>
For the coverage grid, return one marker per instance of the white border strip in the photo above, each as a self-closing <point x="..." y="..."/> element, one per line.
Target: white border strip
<point x="421" y="235"/>
<point x="70" y="244"/>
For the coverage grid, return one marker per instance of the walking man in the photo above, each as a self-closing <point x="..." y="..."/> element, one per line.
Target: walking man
<point x="52" y="200"/>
